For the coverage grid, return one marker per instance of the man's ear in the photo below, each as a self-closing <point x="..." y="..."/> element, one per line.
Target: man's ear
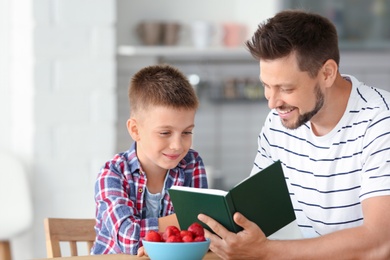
<point x="132" y="128"/>
<point x="329" y="71"/>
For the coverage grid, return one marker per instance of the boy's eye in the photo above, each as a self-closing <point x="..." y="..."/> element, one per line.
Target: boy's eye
<point x="169" y="133"/>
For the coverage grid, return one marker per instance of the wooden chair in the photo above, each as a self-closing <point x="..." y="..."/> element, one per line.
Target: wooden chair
<point x="68" y="230"/>
<point x="5" y="250"/>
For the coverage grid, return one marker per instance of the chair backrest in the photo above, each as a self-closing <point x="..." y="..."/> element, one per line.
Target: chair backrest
<point x="68" y="230"/>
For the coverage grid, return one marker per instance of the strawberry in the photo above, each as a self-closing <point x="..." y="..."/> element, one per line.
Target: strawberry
<point x="184" y="233"/>
<point x="199" y="239"/>
<point x="170" y="231"/>
<point x="196" y="229"/>
<point x="173" y="239"/>
<point x="153" y="236"/>
<point x="172" y="234"/>
<point x="187" y="238"/>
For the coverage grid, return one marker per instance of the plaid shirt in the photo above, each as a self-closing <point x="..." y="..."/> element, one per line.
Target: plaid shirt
<point x="120" y="206"/>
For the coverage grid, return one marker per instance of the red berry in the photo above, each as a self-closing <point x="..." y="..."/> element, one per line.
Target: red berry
<point x="170" y="231"/>
<point x="184" y="233"/>
<point x="196" y="229"/>
<point x="153" y="236"/>
<point x="173" y="239"/>
<point x="187" y="238"/>
<point x="172" y="234"/>
<point x="199" y="239"/>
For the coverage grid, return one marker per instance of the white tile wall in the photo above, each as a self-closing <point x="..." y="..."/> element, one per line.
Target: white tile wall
<point x="74" y="110"/>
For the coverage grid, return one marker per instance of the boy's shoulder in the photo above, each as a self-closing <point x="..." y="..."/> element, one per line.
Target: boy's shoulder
<point x="126" y="161"/>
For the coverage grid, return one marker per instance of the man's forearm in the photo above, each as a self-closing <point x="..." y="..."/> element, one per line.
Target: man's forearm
<point x="353" y="243"/>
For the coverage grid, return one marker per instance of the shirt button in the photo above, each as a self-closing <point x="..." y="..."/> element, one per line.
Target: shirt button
<point x="140" y="190"/>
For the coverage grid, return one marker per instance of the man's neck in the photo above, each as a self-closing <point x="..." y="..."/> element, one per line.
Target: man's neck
<point x="336" y="101"/>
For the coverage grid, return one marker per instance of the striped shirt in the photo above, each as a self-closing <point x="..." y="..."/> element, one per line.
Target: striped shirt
<point x="120" y="200"/>
<point x="329" y="176"/>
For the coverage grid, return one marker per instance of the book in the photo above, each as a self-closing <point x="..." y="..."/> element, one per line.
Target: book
<point x="262" y="198"/>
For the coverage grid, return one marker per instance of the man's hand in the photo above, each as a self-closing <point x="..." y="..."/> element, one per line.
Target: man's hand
<point x="246" y="244"/>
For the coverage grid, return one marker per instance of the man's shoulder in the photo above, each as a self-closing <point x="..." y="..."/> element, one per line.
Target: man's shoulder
<point x="371" y="96"/>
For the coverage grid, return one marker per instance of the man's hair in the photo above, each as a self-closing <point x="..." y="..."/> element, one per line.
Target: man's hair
<point x="161" y="85"/>
<point x="312" y="37"/>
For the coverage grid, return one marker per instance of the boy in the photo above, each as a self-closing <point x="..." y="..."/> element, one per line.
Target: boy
<point x="131" y="189"/>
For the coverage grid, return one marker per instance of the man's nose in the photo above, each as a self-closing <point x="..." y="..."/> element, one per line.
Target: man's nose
<point x="273" y="98"/>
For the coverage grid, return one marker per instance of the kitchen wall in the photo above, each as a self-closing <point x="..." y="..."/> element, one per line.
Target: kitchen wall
<point x="63" y="101"/>
<point x="60" y="109"/>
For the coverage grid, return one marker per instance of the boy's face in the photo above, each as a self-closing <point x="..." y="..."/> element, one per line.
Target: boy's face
<point x="163" y="136"/>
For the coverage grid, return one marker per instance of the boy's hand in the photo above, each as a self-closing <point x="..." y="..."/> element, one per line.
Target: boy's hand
<point x="141" y="252"/>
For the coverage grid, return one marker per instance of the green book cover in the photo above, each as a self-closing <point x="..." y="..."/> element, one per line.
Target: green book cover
<point x="189" y="202"/>
<point x="262" y="197"/>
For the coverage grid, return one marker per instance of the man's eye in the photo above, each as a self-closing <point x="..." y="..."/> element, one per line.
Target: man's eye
<point x="188" y="133"/>
<point x="287" y="90"/>
<point x="164" y="133"/>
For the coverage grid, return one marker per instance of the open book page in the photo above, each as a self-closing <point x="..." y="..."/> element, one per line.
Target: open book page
<point x="199" y="190"/>
<point x="290" y="231"/>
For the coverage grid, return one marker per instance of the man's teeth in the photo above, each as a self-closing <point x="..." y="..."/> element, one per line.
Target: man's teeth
<point x="285" y="111"/>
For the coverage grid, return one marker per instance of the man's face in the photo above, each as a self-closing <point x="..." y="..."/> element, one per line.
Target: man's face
<point x="291" y="92"/>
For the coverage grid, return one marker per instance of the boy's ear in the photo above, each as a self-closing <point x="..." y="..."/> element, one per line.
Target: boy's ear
<point x="132" y="128"/>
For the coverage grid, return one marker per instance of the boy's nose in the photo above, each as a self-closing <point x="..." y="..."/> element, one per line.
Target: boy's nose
<point x="176" y="143"/>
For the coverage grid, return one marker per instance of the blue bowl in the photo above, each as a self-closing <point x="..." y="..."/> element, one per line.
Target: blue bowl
<point x="176" y="251"/>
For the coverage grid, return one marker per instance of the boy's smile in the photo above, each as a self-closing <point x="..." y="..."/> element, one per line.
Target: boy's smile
<point x="172" y="156"/>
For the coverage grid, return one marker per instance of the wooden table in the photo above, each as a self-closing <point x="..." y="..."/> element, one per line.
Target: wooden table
<point x="208" y="256"/>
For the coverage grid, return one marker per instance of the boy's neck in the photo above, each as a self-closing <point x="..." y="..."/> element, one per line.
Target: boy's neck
<point x="155" y="181"/>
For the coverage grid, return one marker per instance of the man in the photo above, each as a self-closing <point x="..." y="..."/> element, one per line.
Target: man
<point x="332" y="135"/>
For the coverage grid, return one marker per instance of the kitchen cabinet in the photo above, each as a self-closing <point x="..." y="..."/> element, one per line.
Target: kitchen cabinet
<point x="361" y="24"/>
<point x="214" y="69"/>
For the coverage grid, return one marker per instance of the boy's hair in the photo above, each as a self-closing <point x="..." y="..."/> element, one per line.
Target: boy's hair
<point x="161" y="85"/>
<point x="312" y="37"/>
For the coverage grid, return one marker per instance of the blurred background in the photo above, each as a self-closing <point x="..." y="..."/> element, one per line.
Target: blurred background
<point x="65" y="66"/>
